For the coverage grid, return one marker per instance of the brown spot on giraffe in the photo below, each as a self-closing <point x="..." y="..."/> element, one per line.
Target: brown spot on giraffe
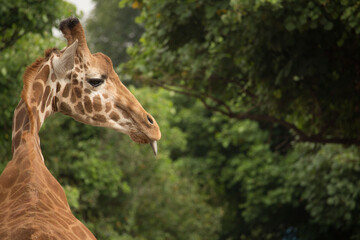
<point x="114" y="116"/>
<point x="66" y="91"/>
<point x="68" y="76"/>
<point x="107" y="107"/>
<point x="45" y="97"/>
<point x="38" y="91"/>
<point x="99" y="118"/>
<point x="54" y="104"/>
<point x="58" y="87"/>
<point x="23" y="233"/>
<point x="73" y="96"/>
<point x="78" y="92"/>
<point x="97" y="103"/>
<point x="44" y="73"/>
<point x="3" y="235"/>
<point x="19" y="120"/>
<point x="47" y="114"/>
<point x="125" y="124"/>
<point x="9" y="177"/>
<point x="125" y="114"/>
<point x="79" y="108"/>
<point x="2" y="198"/>
<point x="53" y="77"/>
<point x="26" y="123"/>
<point x="65" y="108"/>
<point x="88" y="104"/>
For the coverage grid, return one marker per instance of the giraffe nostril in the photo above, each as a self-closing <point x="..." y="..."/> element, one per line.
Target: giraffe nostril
<point x="150" y="119"/>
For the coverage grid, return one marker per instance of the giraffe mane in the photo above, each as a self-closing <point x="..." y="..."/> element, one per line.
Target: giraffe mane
<point x="33" y="69"/>
<point x="29" y="76"/>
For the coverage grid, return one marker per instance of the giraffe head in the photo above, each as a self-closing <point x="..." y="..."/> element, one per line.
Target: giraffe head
<point x="89" y="90"/>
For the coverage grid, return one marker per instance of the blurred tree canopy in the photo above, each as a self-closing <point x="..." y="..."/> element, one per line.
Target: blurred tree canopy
<point x="292" y="66"/>
<point x="113" y="185"/>
<point x="251" y="155"/>
<point x="286" y="62"/>
<point x="25" y="28"/>
<point x="19" y="18"/>
<point x="112" y="29"/>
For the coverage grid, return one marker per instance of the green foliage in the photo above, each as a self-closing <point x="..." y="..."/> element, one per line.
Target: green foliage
<point x="333" y="169"/>
<point x="290" y="63"/>
<point x="26" y="34"/>
<point x="19" y="18"/>
<point x="282" y="62"/>
<point x="72" y="194"/>
<point x="215" y="177"/>
<point x="309" y="193"/>
<point x="112" y="29"/>
<point x="167" y="206"/>
<point x="316" y="186"/>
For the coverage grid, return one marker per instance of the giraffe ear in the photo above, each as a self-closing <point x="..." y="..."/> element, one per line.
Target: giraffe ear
<point x="65" y="62"/>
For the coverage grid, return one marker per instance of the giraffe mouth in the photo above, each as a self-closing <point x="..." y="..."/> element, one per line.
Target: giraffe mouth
<point x="139" y="136"/>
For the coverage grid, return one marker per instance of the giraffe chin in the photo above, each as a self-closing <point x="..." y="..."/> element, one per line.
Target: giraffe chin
<point x="139" y="137"/>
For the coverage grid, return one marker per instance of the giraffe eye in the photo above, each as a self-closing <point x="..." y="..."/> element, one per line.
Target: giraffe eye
<point x="95" y="82"/>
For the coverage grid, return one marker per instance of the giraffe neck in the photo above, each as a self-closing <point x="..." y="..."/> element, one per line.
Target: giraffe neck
<point x="32" y="202"/>
<point x="38" y="102"/>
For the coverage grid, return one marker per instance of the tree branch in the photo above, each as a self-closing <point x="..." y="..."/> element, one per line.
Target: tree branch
<point x="302" y="136"/>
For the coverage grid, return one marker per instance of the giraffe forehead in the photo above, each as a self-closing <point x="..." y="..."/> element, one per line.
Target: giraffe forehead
<point x="94" y="72"/>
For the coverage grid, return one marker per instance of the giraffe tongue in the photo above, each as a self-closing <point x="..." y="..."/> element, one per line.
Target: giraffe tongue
<point x="153" y="145"/>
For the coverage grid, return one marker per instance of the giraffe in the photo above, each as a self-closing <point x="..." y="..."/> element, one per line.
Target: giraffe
<point x="80" y="84"/>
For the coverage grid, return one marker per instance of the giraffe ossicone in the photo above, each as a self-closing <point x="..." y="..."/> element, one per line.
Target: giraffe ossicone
<point x="80" y="84"/>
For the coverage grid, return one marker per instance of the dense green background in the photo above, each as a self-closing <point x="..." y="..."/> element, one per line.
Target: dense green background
<point x="258" y="103"/>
